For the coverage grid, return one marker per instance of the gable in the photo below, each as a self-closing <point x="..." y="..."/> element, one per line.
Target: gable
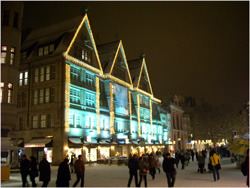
<point x="144" y="82"/>
<point x="82" y="46"/>
<point x="120" y="68"/>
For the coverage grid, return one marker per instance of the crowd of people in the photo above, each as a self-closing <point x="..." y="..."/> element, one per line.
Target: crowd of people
<point x="145" y="164"/>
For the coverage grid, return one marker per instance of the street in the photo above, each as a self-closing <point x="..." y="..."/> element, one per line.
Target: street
<point x="117" y="176"/>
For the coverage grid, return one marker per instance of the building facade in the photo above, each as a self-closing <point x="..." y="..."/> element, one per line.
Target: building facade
<point x="78" y="98"/>
<point x="11" y="20"/>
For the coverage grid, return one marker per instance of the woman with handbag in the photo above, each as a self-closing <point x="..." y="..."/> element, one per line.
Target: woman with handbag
<point x="215" y="161"/>
<point x="143" y="167"/>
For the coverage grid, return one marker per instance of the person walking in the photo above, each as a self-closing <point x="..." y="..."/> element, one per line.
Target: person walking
<point x="24" y="168"/>
<point x="143" y="167"/>
<point x="133" y="166"/>
<point x="152" y="165"/>
<point x="201" y="162"/>
<point x="72" y="162"/>
<point x="79" y="169"/>
<point x="158" y="162"/>
<point x="168" y="167"/>
<point x="33" y="172"/>
<point x="177" y="159"/>
<point x="182" y="158"/>
<point x="45" y="171"/>
<point x="63" y="175"/>
<point x="214" y="160"/>
<point x="192" y="154"/>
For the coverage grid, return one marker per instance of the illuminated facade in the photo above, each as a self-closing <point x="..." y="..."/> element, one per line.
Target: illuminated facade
<point x="86" y="99"/>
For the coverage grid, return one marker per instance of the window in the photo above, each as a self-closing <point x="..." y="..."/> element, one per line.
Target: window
<point x="21" y="99"/>
<point x="23" y="78"/>
<point x="43" y="121"/>
<point x="47" y="96"/>
<point x="41" y="96"/>
<point x="71" y="120"/>
<point x="52" y="72"/>
<point x="1" y="93"/>
<point x="74" y="95"/>
<point x="35" y="122"/>
<point x="6" y="17"/>
<point x="21" y="123"/>
<point x="50" y="120"/>
<point x="74" y="74"/>
<point x="45" y="50"/>
<point x="3" y="54"/>
<point x="52" y="95"/>
<point x="89" y="79"/>
<point x="36" y="75"/>
<point x="12" y="56"/>
<point x="48" y="73"/>
<point x="42" y="74"/>
<point x="78" y="122"/>
<point x="88" y="122"/>
<point x="89" y="99"/>
<point x="102" y="123"/>
<point x="10" y="93"/>
<point x="15" y="22"/>
<point x="35" y="98"/>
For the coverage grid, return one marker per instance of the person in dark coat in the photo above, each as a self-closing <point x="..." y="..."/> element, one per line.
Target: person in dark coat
<point x="192" y="154"/>
<point x="152" y="165"/>
<point x="182" y="158"/>
<point x="33" y="170"/>
<point x="168" y="167"/>
<point x="45" y="171"/>
<point x="79" y="169"/>
<point x="201" y="162"/>
<point x="24" y="168"/>
<point x="177" y="159"/>
<point x="63" y="175"/>
<point x="133" y="166"/>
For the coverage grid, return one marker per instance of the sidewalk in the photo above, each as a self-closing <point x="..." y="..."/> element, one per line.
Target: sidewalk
<point x="117" y="176"/>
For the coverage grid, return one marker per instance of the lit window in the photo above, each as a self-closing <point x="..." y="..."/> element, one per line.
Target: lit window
<point x="35" y="122"/>
<point x="35" y="98"/>
<point x="10" y="93"/>
<point x="3" y="54"/>
<point x="89" y="79"/>
<point x="71" y="120"/>
<point x="75" y="95"/>
<point x="1" y="93"/>
<point x="43" y="121"/>
<point x="88" y="122"/>
<point x="41" y="96"/>
<point x="83" y="53"/>
<point x="74" y="73"/>
<point x="89" y="99"/>
<point x="25" y="78"/>
<point x="102" y="123"/>
<point x="20" y="79"/>
<point x="47" y="96"/>
<point x="78" y="118"/>
<point x="47" y="72"/>
<point x="42" y="74"/>
<point x="86" y="55"/>
<point x="12" y="56"/>
<point x="36" y="75"/>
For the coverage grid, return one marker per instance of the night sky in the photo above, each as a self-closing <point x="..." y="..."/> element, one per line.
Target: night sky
<point x="198" y="49"/>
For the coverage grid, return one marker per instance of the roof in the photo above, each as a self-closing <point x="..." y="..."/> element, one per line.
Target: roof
<point x="135" y="69"/>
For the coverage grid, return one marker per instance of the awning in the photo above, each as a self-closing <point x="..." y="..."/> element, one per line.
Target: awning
<point x="104" y="141"/>
<point x="75" y="140"/>
<point x="41" y="142"/>
<point x="135" y="142"/>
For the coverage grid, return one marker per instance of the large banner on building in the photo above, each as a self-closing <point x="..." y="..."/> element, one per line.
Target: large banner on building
<point x="121" y="98"/>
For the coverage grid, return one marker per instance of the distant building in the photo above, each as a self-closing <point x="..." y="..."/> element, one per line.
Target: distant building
<point x="11" y="22"/>
<point x="78" y="98"/>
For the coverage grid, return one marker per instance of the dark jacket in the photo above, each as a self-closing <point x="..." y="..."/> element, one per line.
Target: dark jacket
<point x="63" y="175"/>
<point x="79" y="166"/>
<point x="143" y="165"/>
<point x="33" y="168"/>
<point x="201" y="159"/>
<point x="45" y="172"/>
<point x="182" y="158"/>
<point x="152" y="162"/>
<point x="168" y="165"/>
<point x="24" y="166"/>
<point x="133" y="165"/>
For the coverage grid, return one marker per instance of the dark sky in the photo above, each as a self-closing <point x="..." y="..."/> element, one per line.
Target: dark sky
<point x="198" y="49"/>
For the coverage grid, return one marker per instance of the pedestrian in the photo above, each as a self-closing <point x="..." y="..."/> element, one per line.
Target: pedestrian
<point x="215" y="160"/>
<point x="33" y="172"/>
<point x="152" y="165"/>
<point x="168" y="167"/>
<point x="79" y="169"/>
<point x="192" y="154"/>
<point x="143" y="167"/>
<point x="133" y="166"/>
<point x="158" y="162"/>
<point x="63" y="175"/>
<point x="72" y="162"/>
<point x="45" y="171"/>
<point x="177" y="159"/>
<point x="196" y="155"/>
<point x="24" y="168"/>
<point x="201" y="162"/>
<point x="182" y="158"/>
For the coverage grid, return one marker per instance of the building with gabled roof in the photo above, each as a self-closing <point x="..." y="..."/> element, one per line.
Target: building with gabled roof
<point x="79" y="98"/>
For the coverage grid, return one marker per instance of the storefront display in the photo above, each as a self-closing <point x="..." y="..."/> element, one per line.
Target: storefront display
<point x="104" y="152"/>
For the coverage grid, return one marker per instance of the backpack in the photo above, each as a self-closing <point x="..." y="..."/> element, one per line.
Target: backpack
<point x="244" y="168"/>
